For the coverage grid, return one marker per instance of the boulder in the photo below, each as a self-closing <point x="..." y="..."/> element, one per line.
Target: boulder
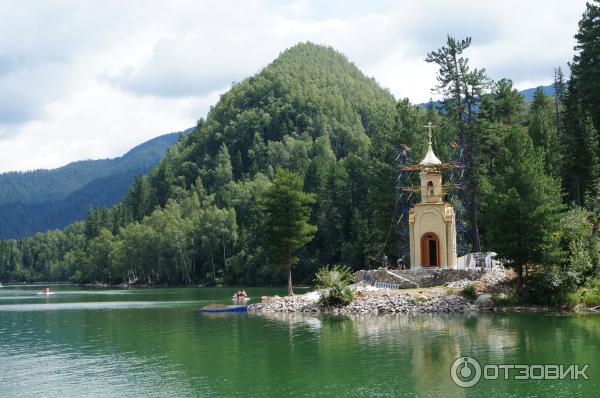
<point x="485" y="301"/>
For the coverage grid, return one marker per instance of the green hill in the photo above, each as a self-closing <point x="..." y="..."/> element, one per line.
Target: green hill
<point x="197" y="215"/>
<point x="39" y="200"/>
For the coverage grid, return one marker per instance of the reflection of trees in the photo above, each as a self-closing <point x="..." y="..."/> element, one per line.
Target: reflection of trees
<point x="418" y="350"/>
<point x="390" y="355"/>
<point x="425" y="347"/>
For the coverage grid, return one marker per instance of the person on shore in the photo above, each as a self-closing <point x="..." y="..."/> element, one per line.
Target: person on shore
<point x="386" y="261"/>
<point x="401" y="263"/>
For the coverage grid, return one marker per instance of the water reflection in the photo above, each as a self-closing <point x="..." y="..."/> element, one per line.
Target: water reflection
<point x="293" y="320"/>
<point x="420" y="349"/>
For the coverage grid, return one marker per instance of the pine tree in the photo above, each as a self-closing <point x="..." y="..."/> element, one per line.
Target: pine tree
<point x="571" y="141"/>
<point x="523" y="212"/>
<point x="257" y="154"/>
<point x="504" y="104"/>
<point x="581" y="101"/>
<point x="560" y="89"/>
<point x="543" y="132"/>
<point x="223" y="173"/>
<point x="287" y="213"/>
<point x="585" y="68"/>
<point x="579" y="144"/>
<point x="222" y="176"/>
<point x="139" y="199"/>
<point x="462" y="88"/>
<point x="592" y="175"/>
<point x="163" y="180"/>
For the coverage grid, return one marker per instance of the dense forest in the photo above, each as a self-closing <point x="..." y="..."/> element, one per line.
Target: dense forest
<point x="532" y="178"/>
<point x="36" y="201"/>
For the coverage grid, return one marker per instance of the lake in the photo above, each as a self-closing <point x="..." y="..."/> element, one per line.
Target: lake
<point x="150" y="343"/>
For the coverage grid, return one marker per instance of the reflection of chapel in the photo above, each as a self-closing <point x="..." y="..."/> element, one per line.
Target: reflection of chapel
<point x="432" y="225"/>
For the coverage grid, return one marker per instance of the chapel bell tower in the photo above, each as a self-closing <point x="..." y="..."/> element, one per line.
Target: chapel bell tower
<point x="432" y="224"/>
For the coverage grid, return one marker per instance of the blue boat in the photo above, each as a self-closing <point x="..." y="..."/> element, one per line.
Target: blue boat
<point x="231" y="308"/>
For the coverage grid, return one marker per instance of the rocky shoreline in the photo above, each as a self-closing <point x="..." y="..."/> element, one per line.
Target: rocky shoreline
<point x="446" y="299"/>
<point x="372" y="303"/>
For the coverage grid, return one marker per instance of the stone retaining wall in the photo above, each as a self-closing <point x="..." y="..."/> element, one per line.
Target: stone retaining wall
<point x="413" y="278"/>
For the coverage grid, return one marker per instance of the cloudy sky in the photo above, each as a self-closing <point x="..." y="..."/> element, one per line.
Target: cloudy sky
<point x="91" y="79"/>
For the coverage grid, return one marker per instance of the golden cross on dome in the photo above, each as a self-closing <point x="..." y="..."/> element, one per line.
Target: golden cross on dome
<point x="429" y="126"/>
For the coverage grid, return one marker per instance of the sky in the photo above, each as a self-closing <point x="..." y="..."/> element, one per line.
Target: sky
<point x="92" y="79"/>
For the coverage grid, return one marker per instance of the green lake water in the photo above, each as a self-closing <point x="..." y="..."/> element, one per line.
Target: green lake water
<point x="150" y="343"/>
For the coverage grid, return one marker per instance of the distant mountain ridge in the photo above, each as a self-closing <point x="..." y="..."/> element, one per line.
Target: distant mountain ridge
<point x="35" y="201"/>
<point x="527" y="94"/>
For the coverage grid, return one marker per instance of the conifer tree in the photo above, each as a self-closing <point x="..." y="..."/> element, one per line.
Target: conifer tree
<point x="571" y="141"/>
<point x="257" y="154"/>
<point x="222" y="176"/>
<point x="585" y="68"/>
<point x="581" y="115"/>
<point x="579" y="145"/>
<point x="462" y="88"/>
<point x="590" y="153"/>
<point x="287" y="214"/>
<point x="560" y="88"/>
<point x="223" y="173"/>
<point x="163" y="180"/>
<point x="523" y="212"/>
<point x="543" y="132"/>
<point x="504" y="104"/>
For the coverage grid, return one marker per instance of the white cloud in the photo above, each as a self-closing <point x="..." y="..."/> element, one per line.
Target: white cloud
<point x="92" y="79"/>
<point x="113" y="131"/>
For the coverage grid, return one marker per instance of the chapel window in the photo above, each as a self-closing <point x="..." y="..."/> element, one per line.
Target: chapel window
<point x="430" y="188"/>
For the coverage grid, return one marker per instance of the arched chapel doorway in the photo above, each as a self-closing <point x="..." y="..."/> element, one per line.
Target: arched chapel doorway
<point x="430" y="250"/>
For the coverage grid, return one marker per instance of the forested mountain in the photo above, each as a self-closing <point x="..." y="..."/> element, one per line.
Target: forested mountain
<point x="528" y="94"/>
<point x="39" y="200"/>
<point x="205" y="213"/>
<point x="310" y="111"/>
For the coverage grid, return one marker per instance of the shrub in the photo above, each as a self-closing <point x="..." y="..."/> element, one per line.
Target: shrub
<point x="588" y="296"/>
<point x="336" y="295"/>
<point x="595" y="283"/>
<point x="335" y="280"/>
<point x="591" y="298"/>
<point x="469" y="292"/>
<point x="505" y="299"/>
<point x="581" y="261"/>
<point x="548" y="287"/>
<point x="330" y="276"/>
